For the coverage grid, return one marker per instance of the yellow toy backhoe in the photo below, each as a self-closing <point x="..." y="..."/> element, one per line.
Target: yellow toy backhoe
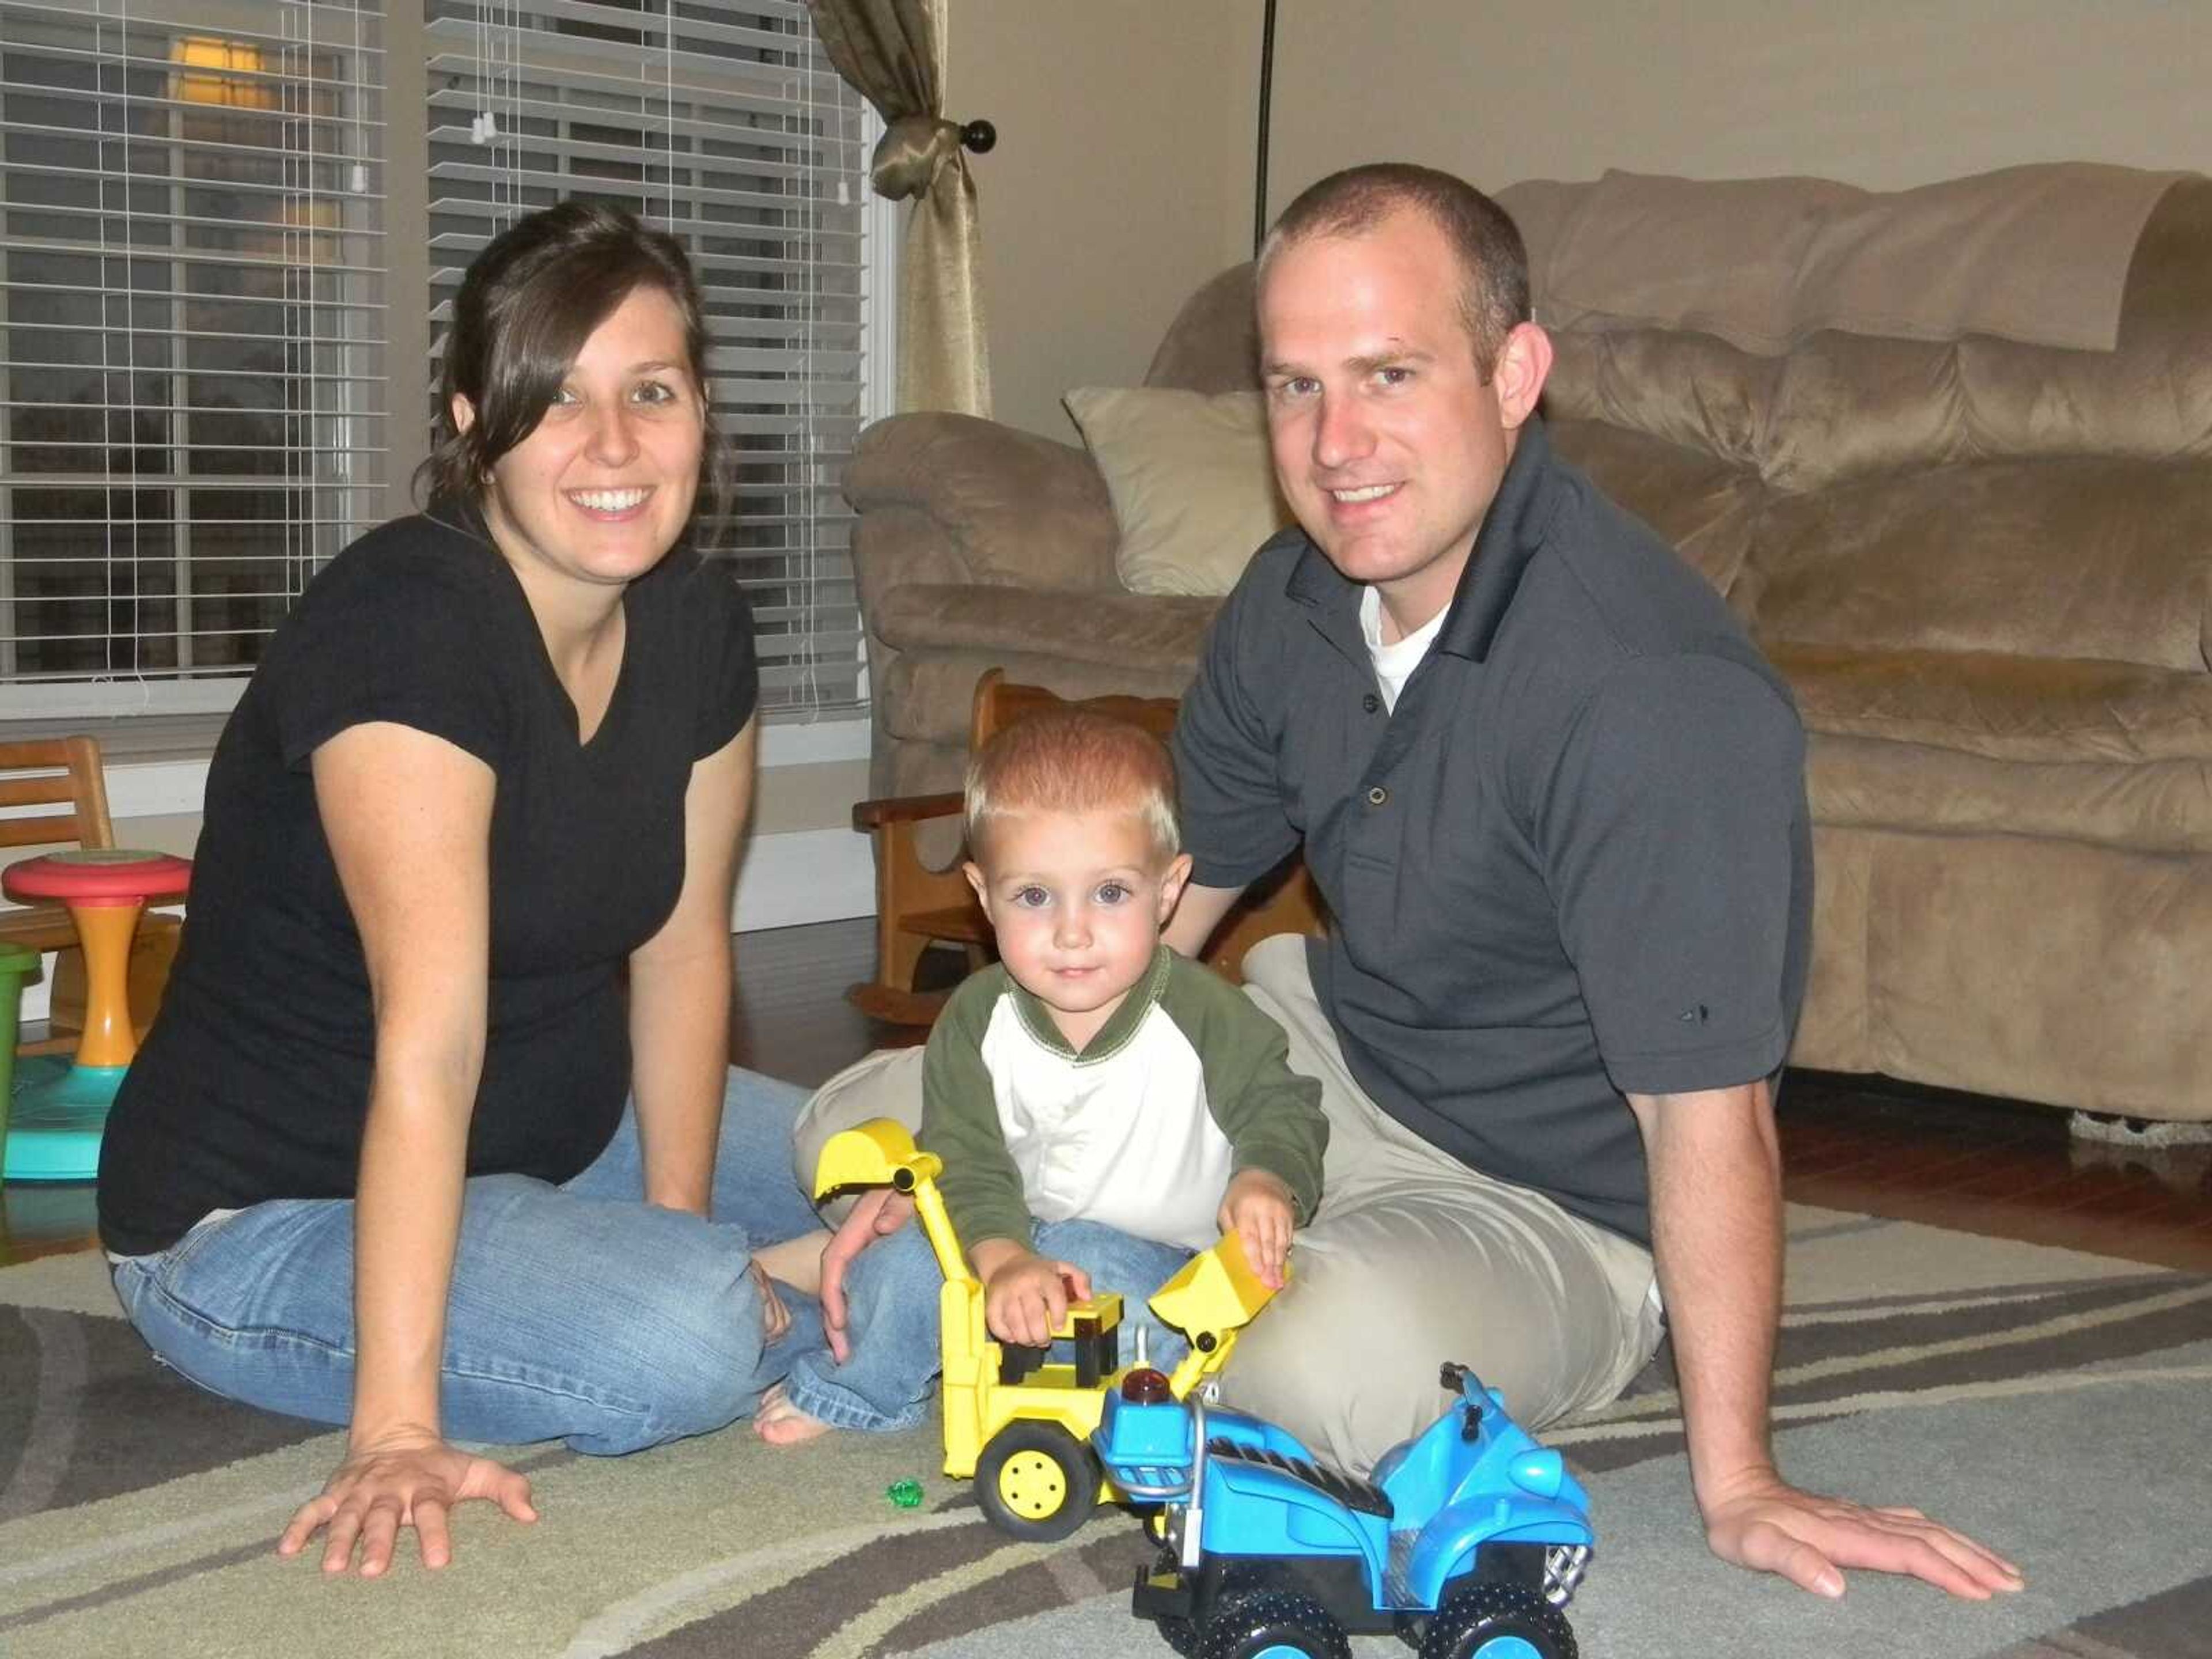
<point x="1019" y="1425"/>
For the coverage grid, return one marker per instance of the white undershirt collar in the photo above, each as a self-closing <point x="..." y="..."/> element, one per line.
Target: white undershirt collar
<point x="1394" y="663"/>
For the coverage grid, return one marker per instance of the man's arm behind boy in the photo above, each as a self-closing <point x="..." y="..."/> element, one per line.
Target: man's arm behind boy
<point x="1270" y="1116"/>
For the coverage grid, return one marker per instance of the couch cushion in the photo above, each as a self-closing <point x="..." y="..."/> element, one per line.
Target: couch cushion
<point x="2060" y="559"/>
<point x="1842" y="406"/>
<point x="1192" y="482"/>
<point x="927" y="700"/>
<point x="1701" y="504"/>
<point x="2005" y="707"/>
<point x="1143" y="633"/>
<point x="2152" y="806"/>
<point x="1213" y="344"/>
<point x="1959" y="743"/>
<point x="1764" y="262"/>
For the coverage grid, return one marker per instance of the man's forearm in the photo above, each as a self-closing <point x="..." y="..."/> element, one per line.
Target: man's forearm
<point x="1717" y="1227"/>
<point x="1197" y="914"/>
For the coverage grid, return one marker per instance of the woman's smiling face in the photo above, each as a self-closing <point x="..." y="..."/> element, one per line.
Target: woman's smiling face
<point x="601" y="489"/>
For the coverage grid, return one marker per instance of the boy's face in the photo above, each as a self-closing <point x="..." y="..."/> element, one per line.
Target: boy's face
<point x="1077" y="902"/>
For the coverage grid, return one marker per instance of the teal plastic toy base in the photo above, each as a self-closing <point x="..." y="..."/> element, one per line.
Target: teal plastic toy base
<point x="55" y="1121"/>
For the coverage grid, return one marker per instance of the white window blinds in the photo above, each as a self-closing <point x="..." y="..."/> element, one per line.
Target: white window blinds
<point x="190" y="331"/>
<point x="721" y="122"/>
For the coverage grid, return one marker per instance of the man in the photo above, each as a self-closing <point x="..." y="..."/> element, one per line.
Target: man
<point x="1554" y="799"/>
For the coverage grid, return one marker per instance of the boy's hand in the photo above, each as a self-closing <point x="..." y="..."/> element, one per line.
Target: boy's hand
<point x="1257" y="1209"/>
<point x="1025" y="1295"/>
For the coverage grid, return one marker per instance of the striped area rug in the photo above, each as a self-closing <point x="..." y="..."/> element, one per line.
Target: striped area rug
<point x="2054" y="1403"/>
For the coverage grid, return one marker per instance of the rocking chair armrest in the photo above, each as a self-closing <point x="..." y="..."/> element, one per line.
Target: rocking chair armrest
<point x="869" y="814"/>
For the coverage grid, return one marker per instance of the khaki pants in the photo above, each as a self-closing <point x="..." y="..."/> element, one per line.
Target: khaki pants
<point x="1414" y="1259"/>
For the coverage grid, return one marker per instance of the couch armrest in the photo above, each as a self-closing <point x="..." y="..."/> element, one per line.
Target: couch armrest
<point x="950" y="498"/>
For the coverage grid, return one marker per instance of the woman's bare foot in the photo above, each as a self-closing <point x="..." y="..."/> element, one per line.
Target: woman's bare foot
<point x="782" y="1424"/>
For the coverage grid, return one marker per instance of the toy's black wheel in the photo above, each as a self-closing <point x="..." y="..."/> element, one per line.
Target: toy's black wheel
<point x="1036" y="1481"/>
<point x="1272" y="1624"/>
<point x="1497" y="1621"/>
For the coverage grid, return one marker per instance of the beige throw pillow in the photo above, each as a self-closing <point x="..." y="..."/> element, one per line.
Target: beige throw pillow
<point x="1192" y="485"/>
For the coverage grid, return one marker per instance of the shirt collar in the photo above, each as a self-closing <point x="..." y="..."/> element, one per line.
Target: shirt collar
<point x="1511" y="532"/>
<point x="1120" y="1025"/>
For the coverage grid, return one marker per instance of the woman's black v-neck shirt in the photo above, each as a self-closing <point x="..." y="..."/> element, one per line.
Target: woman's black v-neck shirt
<point x="254" y="1083"/>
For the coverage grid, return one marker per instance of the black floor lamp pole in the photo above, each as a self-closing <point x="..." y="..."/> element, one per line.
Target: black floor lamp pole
<point x="1266" y="86"/>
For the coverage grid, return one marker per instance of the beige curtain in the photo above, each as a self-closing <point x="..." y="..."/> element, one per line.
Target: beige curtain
<point x="893" y="52"/>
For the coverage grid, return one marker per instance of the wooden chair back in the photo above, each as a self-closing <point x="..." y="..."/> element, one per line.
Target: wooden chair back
<point x="62" y="773"/>
<point x="1000" y="702"/>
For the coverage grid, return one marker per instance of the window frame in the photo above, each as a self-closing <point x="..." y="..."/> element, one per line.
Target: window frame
<point x="171" y="723"/>
<point x="92" y="701"/>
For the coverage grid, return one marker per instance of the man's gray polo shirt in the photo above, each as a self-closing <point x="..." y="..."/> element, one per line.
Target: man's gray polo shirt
<point x="1575" y="863"/>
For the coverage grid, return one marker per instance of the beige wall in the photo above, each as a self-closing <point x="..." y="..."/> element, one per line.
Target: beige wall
<point x="1122" y="178"/>
<point x="1882" y="93"/>
<point x="1123" y="174"/>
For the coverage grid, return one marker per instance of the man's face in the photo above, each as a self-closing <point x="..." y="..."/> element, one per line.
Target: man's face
<point x="1389" y="441"/>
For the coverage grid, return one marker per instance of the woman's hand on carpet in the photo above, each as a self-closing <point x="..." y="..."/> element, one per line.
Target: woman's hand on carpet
<point x="877" y="1212"/>
<point x="412" y="1480"/>
<point x="1770" y="1526"/>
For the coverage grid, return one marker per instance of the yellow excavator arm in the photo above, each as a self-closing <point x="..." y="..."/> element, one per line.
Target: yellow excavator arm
<point x="881" y="1153"/>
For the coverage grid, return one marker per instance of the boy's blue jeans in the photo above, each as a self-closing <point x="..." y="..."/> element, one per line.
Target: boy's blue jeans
<point x="891" y="1296"/>
<point x="577" y="1313"/>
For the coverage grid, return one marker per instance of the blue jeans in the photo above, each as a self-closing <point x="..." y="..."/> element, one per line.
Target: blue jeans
<point x="577" y="1313"/>
<point x="890" y="1298"/>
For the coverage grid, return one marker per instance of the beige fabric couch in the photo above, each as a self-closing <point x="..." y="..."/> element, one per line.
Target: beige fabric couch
<point x="1984" y="567"/>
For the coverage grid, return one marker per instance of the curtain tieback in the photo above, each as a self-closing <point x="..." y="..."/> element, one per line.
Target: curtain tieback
<point x="912" y="149"/>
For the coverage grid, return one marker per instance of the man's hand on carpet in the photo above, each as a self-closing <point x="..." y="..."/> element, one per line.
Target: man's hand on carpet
<point x="775" y="1317"/>
<point x="412" y="1480"/>
<point x="877" y="1212"/>
<point x="1770" y="1526"/>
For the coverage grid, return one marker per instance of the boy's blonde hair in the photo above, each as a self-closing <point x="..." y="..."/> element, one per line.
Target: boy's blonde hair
<point x="1071" y="760"/>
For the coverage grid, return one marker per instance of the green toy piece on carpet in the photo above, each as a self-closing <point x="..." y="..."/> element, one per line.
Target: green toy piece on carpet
<point x="906" y="1494"/>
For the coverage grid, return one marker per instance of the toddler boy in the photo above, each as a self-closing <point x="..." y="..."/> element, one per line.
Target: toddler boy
<point x="1104" y="1107"/>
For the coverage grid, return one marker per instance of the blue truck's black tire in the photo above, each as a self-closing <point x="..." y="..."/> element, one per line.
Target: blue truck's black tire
<point x="1475" y="1615"/>
<point x="1253" y="1624"/>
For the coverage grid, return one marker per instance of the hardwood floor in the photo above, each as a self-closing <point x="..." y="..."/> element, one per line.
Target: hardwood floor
<point x="1958" y="1161"/>
<point x="2001" y="1168"/>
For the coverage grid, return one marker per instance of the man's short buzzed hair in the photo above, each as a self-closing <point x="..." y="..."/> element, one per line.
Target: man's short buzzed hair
<point x="1074" y="760"/>
<point x="1493" y="261"/>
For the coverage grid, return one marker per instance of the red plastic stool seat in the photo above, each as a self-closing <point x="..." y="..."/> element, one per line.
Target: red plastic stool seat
<point x="99" y="876"/>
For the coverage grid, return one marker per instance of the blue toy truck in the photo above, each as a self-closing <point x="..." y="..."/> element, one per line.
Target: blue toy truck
<point x="1468" y="1541"/>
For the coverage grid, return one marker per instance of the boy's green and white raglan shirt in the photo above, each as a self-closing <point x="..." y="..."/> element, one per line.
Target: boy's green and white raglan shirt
<point x="1185" y="1084"/>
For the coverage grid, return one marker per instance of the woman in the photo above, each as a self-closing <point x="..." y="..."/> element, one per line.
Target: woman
<point x="374" y="1164"/>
